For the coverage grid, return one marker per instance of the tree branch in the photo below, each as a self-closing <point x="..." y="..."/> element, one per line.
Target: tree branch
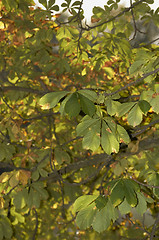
<point x="133" y="83"/>
<point x="37" y="223"/>
<point x="152" y="235"/>
<point x="23" y="89"/>
<point x="116" y="16"/>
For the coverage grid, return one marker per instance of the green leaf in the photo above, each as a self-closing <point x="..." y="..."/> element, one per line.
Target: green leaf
<point x="112" y="106"/>
<point x="123" y="135"/>
<point x="7" y="230"/>
<point x="149" y="1"/>
<point x="101" y="221"/>
<point x="61" y="156"/>
<point x="87" y="106"/>
<point x="136" y="67"/>
<point x="1" y="232"/>
<point x="50" y="3"/>
<point x="124" y="207"/>
<point x="113" y="213"/>
<point x="83" y="127"/>
<point x="91" y="95"/>
<point x="86" y="216"/>
<point x="35" y="175"/>
<point x="76" y="3"/>
<point x="108" y="141"/>
<point x="43" y="172"/>
<point x="92" y="138"/>
<point x="147" y="95"/>
<point x="82" y="202"/>
<point x="101" y="201"/>
<point x="142" y="204"/>
<point x="144" y="106"/>
<point x="129" y="192"/>
<point x="72" y="106"/>
<point x="135" y="116"/>
<point x="43" y="2"/>
<point x="155" y="103"/>
<point x="38" y="186"/>
<point x="117" y="193"/>
<point x="55" y="8"/>
<point x="20" y="199"/>
<point x="124" y="108"/>
<point x="50" y="100"/>
<point x="19" y="218"/>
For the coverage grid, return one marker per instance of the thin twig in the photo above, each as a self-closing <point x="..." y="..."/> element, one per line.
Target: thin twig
<point x="134" y="22"/>
<point x="116" y="16"/>
<point x="133" y="83"/>
<point x="144" y="128"/>
<point x="144" y="184"/>
<point x="36" y="226"/>
<point x="152" y="235"/>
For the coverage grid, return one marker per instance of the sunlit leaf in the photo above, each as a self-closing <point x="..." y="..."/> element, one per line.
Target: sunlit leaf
<point x="51" y="99"/>
<point x="135" y="116"/>
<point x="83" y="202"/>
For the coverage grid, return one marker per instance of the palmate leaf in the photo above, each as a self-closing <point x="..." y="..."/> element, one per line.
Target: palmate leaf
<point x="43" y="2"/>
<point x="104" y="132"/>
<point x="124" y="188"/>
<point x="50" y="3"/>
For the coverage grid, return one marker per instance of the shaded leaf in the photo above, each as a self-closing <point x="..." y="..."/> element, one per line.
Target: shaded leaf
<point x="87" y="106"/>
<point x="101" y="201"/>
<point x="144" y="106"/>
<point x="72" y="106"/>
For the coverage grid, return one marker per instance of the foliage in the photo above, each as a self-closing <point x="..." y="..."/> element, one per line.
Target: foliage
<point x="79" y="121"/>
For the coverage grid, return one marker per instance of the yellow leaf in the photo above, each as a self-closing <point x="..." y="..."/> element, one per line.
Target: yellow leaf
<point x="24" y="176"/>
